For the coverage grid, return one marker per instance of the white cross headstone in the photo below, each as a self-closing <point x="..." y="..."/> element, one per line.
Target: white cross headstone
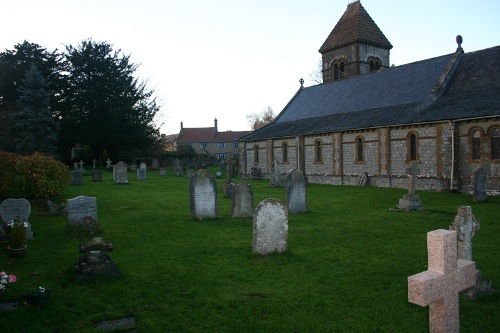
<point x="94" y="161"/>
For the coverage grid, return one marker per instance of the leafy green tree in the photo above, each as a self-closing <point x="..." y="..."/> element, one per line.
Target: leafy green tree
<point x="13" y="67"/>
<point x="106" y="107"/>
<point x="34" y="127"/>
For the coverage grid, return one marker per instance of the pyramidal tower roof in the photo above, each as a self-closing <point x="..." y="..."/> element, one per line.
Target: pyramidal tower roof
<point x="354" y="26"/>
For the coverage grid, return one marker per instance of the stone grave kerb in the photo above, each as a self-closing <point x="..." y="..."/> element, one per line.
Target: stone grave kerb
<point x="412" y="172"/>
<point x="438" y="287"/>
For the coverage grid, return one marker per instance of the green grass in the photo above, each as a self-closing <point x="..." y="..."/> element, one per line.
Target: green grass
<point x="345" y="270"/>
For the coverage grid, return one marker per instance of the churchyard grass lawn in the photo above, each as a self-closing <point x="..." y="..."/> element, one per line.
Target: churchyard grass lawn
<point x="345" y="270"/>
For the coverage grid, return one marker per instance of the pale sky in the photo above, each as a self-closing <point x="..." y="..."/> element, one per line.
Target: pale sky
<point x="225" y="59"/>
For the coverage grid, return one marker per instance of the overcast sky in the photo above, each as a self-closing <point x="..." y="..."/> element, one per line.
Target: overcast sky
<point x="225" y="59"/>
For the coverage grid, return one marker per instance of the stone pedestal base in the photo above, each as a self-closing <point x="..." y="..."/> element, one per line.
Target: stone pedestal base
<point x="410" y="202"/>
<point x="88" y="270"/>
<point x="483" y="286"/>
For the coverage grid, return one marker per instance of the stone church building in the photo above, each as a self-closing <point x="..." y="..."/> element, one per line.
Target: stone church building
<point x="369" y="117"/>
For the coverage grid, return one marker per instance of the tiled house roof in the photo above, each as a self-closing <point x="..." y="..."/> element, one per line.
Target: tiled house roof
<point x="355" y="25"/>
<point x="396" y="96"/>
<point x="202" y="134"/>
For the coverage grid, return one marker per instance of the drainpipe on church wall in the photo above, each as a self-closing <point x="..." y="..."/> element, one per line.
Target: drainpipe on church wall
<point x="452" y="173"/>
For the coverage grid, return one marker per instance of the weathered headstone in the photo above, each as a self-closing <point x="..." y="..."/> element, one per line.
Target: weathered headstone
<point x="466" y="225"/>
<point x="203" y="195"/>
<point x="120" y="173"/>
<point x="256" y="173"/>
<point x="17" y="208"/>
<point x="96" y="262"/>
<point x="177" y="167"/>
<point x="295" y="192"/>
<point x="82" y="209"/>
<point x="438" y="287"/>
<point x="411" y="201"/>
<point x="155" y="164"/>
<point x="142" y="174"/>
<point x="276" y="179"/>
<point x="243" y="201"/>
<point x="143" y="165"/>
<point x="480" y="185"/>
<point x="163" y="172"/>
<point x="97" y="176"/>
<point x="270" y="227"/>
<point x="76" y="178"/>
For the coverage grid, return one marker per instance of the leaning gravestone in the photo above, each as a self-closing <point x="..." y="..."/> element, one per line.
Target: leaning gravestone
<point x="276" y="178"/>
<point x="96" y="176"/>
<point x="120" y="173"/>
<point x="76" y="178"/>
<point x="480" y="181"/>
<point x="295" y="192"/>
<point x="203" y="195"/>
<point x="466" y="225"/>
<point x="438" y="287"/>
<point x="270" y="227"/>
<point x="243" y="201"/>
<point x="142" y="174"/>
<point x="82" y="210"/>
<point x="14" y="208"/>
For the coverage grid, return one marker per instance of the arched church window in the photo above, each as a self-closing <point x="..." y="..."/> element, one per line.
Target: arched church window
<point x="338" y="70"/>
<point x="256" y="154"/>
<point x="359" y="149"/>
<point x="284" y="148"/>
<point x="375" y="64"/>
<point x="318" y="152"/>
<point x="412" y="146"/>
<point x="495" y="143"/>
<point x="476" y="144"/>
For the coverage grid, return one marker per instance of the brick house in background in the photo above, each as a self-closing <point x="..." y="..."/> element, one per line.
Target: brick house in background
<point x="369" y="117"/>
<point x="209" y="141"/>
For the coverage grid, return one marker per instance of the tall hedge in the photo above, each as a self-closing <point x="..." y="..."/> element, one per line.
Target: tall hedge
<point x="33" y="177"/>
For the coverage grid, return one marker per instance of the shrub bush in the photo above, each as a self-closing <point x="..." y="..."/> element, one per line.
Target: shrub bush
<point x="33" y="177"/>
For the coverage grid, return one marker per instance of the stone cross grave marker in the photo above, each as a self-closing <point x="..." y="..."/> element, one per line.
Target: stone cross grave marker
<point x="438" y="287"/>
<point x="411" y="201"/>
<point x="142" y="174"/>
<point x="466" y="225"/>
<point x="243" y="201"/>
<point x="81" y="166"/>
<point x="82" y="210"/>
<point x="295" y="192"/>
<point x="276" y="178"/>
<point x="96" y="262"/>
<point x="480" y="184"/>
<point x="13" y="208"/>
<point x="203" y="195"/>
<point x="108" y="163"/>
<point x="412" y="172"/>
<point x="94" y="161"/>
<point x="120" y="173"/>
<point x="270" y="227"/>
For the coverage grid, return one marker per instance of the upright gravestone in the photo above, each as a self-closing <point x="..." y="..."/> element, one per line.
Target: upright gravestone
<point x="480" y="181"/>
<point x="120" y="173"/>
<point x="295" y="192"/>
<point x="82" y="209"/>
<point x="76" y="178"/>
<point x="203" y="195"/>
<point x="96" y="262"/>
<point x="270" y="227"/>
<point x="97" y="176"/>
<point x="177" y="167"/>
<point x="163" y="172"/>
<point x="143" y="165"/>
<point x="438" y="287"/>
<point x="82" y="170"/>
<point x="155" y="164"/>
<point x="411" y="201"/>
<point x="276" y="178"/>
<point x="466" y="225"/>
<point x="108" y="164"/>
<point x="243" y="201"/>
<point x="142" y="174"/>
<point x="17" y="208"/>
<point x="256" y="173"/>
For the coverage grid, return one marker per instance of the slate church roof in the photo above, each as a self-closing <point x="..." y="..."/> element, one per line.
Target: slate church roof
<point x="400" y="95"/>
<point x="354" y="26"/>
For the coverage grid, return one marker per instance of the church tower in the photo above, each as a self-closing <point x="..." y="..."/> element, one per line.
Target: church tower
<point x="355" y="46"/>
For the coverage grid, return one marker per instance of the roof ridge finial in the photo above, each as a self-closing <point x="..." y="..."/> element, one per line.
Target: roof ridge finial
<point x="459" y="40"/>
<point x="301" y="81"/>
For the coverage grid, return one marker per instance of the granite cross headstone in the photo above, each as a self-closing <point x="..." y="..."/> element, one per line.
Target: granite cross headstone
<point x="438" y="287"/>
<point x="203" y="195"/>
<point x="295" y="192"/>
<point x="270" y="227"/>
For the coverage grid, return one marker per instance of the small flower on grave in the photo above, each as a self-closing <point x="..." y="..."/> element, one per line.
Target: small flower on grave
<point x="17" y="234"/>
<point x="6" y="279"/>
